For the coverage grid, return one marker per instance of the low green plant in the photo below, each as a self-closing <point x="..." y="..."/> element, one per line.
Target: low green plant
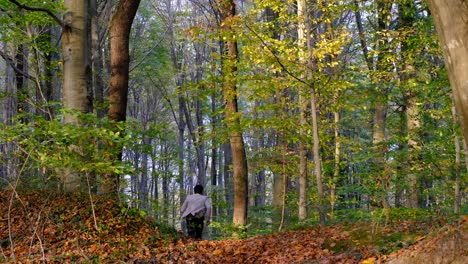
<point x="88" y="147"/>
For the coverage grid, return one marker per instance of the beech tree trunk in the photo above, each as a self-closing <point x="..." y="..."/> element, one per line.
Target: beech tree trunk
<point x="76" y="71"/>
<point x="120" y="27"/>
<point x="380" y="106"/>
<point x="239" y="159"/>
<point x="301" y="31"/>
<point x="413" y="125"/>
<point x="450" y="18"/>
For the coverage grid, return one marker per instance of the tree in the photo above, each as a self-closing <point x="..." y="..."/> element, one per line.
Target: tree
<point x="449" y="17"/>
<point x="301" y="32"/>
<point x="76" y="50"/>
<point x="232" y="116"/>
<point x="120" y="27"/>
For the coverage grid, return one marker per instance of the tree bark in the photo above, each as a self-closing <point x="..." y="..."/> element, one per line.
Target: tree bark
<point x="380" y="106"/>
<point x="450" y="18"/>
<point x="228" y="178"/>
<point x="301" y="31"/>
<point x="120" y="27"/>
<point x="232" y="115"/>
<point x="21" y="59"/>
<point x="76" y="70"/>
<point x="411" y="110"/>
<point x="10" y="110"/>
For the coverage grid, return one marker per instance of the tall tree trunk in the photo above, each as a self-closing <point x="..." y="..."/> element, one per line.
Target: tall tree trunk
<point x="228" y="178"/>
<point x="411" y="110"/>
<point x="214" y="153"/>
<point x="412" y="115"/>
<point x="317" y="157"/>
<point x="279" y="180"/>
<point x="450" y="18"/>
<point x="228" y="9"/>
<point x="21" y="59"/>
<point x="200" y="143"/>
<point x="120" y="27"/>
<point x="178" y="64"/>
<point x="76" y="70"/>
<point x="275" y="138"/>
<point x="314" y="112"/>
<point x="259" y="184"/>
<point x="10" y="110"/>
<point x="301" y="32"/>
<point x="380" y="106"/>
<point x="51" y="72"/>
<point x="165" y="183"/>
<point x="336" y="169"/>
<point x="143" y="186"/>
<point x="97" y="22"/>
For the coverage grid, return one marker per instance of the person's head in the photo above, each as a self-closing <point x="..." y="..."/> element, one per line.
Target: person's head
<point x="198" y="189"/>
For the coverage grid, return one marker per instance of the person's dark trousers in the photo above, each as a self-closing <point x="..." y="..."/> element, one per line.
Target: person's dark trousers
<point x="194" y="226"/>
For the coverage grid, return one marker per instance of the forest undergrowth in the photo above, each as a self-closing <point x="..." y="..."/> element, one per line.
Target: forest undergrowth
<point x="55" y="228"/>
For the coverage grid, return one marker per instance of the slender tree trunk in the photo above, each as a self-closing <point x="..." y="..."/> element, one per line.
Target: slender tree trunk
<point x="315" y="127"/>
<point x="50" y="73"/>
<point x="177" y="63"/>
<point x="362" y="37"/>
<point x="200" y="143"/>
<point x="317" y="157"/>
<point x="301" y="31"/>
<point x="380" y="107"/>
<point x="120" y="27"/>
<point x="259" y="184"/>
<point x="98" y="63"/>
<point x="412" y="114"/>
<point x="214" y="154"/>
<point x="279" y="176"/>
<point x="10" y="110"/>
<point x="236" y="140"/>
<point x="21" y="59"/>
<point x="165" y="183"/>
<point x="336" y="169"/>
<point x="411" y="110"/>
<point x="155" y="177"/>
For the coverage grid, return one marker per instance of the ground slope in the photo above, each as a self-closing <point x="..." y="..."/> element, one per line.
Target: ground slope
<point x="56" y="228"/>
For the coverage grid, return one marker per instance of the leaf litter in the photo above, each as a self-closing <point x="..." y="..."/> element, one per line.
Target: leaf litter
<point x="57" y="228"/>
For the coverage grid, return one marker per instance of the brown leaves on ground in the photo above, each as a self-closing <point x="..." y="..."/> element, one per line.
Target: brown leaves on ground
<point x="61" y="228"/>
<point x="448" y="245"/>
<point x="55" y="228"/>
<point x="307" y="246"/>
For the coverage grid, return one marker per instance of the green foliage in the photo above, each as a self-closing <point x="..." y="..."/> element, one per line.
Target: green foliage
<point x="228" y="230"/>
<point x="90" y="147"/>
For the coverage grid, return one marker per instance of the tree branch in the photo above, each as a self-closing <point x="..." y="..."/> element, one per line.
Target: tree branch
<point x="39" y="9"/>
<point x="12" y="65"/>
<point x="275" y="56"/>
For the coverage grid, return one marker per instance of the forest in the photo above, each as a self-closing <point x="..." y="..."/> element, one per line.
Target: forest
<point x="316" y="121"/>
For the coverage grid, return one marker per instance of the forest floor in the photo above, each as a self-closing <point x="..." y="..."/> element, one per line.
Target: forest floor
<point x="51" y="228"/>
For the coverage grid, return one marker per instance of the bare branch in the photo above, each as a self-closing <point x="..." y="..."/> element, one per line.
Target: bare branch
<point x="12" y="65"/>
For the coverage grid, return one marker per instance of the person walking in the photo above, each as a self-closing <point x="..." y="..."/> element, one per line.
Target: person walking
<point x="196" y="209"/>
